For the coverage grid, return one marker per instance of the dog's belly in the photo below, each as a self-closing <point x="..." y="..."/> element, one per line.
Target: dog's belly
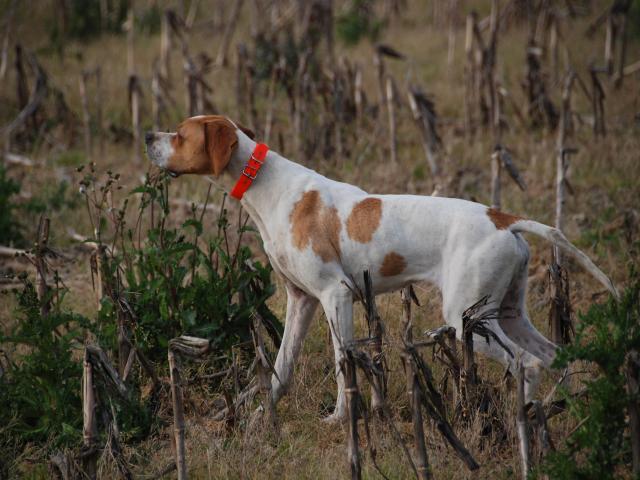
<point x="392" y="263"/>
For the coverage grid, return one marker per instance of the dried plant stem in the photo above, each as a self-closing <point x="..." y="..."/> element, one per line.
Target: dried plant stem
<point x="264" y="370"/>
<point x="41" y="266"/>
<point x="521" y="421"/>
<point x="496" y="168"/>
<point x="86" y="116"/>
<point x="178" y="416"/>
<point x="89" y="429"/>
<point x="413" y="389"/>
<point x="348" y="368"/>
<point x="222" y="58"/>
<point x="376" y="332"/>
<point x="99" y="109"/>
<point x="391" y="99"/>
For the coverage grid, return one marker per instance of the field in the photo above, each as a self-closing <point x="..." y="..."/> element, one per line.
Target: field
<point x="321" y="117"/>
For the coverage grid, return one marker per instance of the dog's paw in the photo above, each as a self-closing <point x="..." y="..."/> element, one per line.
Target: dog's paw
<point x="256" y="416"/>
<point x="335" y="418"/>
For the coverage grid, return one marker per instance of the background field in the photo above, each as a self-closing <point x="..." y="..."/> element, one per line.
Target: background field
<point x="602" y="216"/>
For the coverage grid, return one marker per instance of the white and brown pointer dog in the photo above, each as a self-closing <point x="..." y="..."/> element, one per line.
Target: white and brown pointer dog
<point x="320" y="235"/>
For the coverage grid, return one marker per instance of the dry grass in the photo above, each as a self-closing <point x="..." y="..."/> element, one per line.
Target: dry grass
<point x="604" y="176"/>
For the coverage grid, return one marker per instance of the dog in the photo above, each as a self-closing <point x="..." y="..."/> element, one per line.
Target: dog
<point x="320" y="235"/>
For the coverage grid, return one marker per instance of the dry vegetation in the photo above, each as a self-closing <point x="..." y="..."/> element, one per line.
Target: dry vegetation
<point x="601" y="213"/>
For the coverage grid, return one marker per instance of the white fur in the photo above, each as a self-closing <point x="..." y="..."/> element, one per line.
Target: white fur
<point x="160" y="149"/>
<point x="450" y="243"/>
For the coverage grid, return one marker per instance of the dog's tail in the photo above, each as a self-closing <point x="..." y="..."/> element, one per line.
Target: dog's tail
<point x="556" y="237"/>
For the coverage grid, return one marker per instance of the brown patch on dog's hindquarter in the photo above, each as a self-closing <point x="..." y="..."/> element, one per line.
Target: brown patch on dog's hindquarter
<point x="502" y="220"/>
<point x="364" y="219"/>
<point x="313" y="222"/>
<point x="393" y="264"/>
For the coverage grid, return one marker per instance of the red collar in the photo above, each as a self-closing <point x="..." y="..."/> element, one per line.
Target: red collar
<point x="250" y="171"/>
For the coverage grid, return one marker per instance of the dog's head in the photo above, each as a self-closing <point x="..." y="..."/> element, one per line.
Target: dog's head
<point x="200" y="145"/>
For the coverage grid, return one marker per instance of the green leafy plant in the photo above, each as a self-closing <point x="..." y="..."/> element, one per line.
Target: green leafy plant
<point x="176" y="282"/>
<point x="161" y="281"/>
<point x="40" y="388"/>
<point x="599" y="446"/>
<point x="357" y="22"/>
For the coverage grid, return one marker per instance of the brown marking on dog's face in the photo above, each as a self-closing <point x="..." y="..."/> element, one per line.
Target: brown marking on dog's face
<point x="500" y="219"/>
<point x="393" y="264"/>
<point x="364" y="219"/>
<point x="313" y="222"/>
<point x="202" y="145"/>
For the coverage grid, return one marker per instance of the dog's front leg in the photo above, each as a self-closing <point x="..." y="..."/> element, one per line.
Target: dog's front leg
<point x="300" y="310"/>
<point x="338" y="308"/>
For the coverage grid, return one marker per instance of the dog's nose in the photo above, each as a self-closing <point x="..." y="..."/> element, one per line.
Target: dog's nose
<point x="148" y="137"/>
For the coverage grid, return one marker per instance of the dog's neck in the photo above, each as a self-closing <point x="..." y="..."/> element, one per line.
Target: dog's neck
<point x="272" y="182"/>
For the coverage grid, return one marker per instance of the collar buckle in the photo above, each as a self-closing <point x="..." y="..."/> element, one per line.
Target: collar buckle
<point x="250" y="170"/>
<point x="247" y="174"/>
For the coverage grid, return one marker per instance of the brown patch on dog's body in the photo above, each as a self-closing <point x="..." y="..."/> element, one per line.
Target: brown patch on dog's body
<point x="364" y="219"/>
<point x="393" y="264"/>
<point x="502" y="220"/>
<point x="313" y="222"/>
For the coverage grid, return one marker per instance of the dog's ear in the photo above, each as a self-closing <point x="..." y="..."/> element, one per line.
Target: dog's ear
<point x="220" y="141"/>
<point x="247" y="131"/>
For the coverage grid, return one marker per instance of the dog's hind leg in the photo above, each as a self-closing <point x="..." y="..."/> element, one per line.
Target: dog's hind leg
<point x="468" y="281"/>
<point x="300" y="310"/>
<point x="338" y="308"/>
<point x="515" y="322"/>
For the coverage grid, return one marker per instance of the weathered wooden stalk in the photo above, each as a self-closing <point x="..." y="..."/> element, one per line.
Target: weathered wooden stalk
<point x="4" y="52"/>
<point x="376" y="331"/>
<point x="178" y="416"/>
<point x="424" y="115"/>
<point x="86" y="116"/>
<point x="610" y="44"/>
<point x="560" y="317"/>
<point x="470" y="76"/>
<point x="468" y="379"/>
<point x="542" y="438"/>
<point x="99" y="109"/>
<point x="348" y="367"/>
<point x="358" y="96"/>
<point x="222" y="58"/>
<point x="553" y="47"/>
<point x="562" y="156"/>
<point x="338" y="107"/>
<point x="156" y="99"/>
<point x="130" y="29"/>
<point x="263" y="372"/>
<point x="619" y="76"/>
<point x="413" y="389"/>
<point x="496" y="168"/>
<point x="268" y="123"/>
<point x="597" y="102"/>
<point x="378" y="62"/>
<point x="134" y="99"/>
<point x="165" y="45"/>
<point x="391" y="99"/>
<point x="521" y="421"/>
<point x="89" y="429"/>
<point x="41" y="267"/>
